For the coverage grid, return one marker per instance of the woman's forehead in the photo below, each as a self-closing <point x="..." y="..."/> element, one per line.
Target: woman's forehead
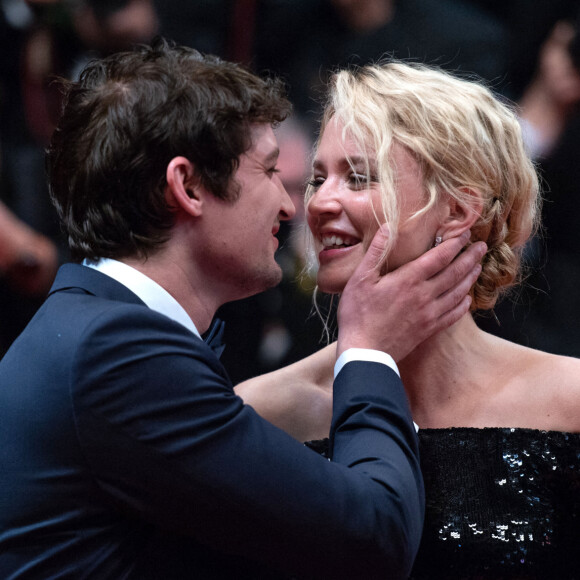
<point x="335" y="141"/>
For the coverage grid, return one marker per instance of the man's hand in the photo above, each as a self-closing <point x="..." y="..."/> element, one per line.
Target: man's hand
<point x="397" y="311"/>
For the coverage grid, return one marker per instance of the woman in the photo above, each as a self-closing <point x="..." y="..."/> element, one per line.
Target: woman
<point x="434" y="156"/>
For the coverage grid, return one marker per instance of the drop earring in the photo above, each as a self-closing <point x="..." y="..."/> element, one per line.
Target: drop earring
<point x="438" y="240"/>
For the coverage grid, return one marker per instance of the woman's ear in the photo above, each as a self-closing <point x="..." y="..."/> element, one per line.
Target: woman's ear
<point x="183" y="189"/>
<point x="461" y="215"/>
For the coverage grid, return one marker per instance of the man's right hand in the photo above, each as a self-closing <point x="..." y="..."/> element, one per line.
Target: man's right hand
<point x="397" y="311"/>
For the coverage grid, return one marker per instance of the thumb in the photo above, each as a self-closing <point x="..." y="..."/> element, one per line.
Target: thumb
<point x="374" y="258"/>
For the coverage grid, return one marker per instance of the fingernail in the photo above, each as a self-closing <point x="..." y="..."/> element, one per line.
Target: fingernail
<point x="465" y="236"/>
<point x="482" y="248"/>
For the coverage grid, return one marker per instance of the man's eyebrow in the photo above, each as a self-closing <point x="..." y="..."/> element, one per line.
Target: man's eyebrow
<point x="272" y="156"/>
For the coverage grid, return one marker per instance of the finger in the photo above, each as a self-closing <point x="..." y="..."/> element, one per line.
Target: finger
<point x="455" y="303"/>
<point x="375" y="255"/>
<point x="451" y="316"/>
<point x="454" y="296"/>
<point x="436" y="259"/>
<point x="459" y="269"/>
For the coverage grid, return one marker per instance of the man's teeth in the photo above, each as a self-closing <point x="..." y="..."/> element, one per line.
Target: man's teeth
<point x="333" y="241"/>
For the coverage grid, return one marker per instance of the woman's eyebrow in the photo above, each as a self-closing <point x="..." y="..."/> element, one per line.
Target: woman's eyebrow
<point x="358" y="161"/>
<point x="347" y="161"/>
<point x="317" y="164"/>
<point x="363" y="164"/>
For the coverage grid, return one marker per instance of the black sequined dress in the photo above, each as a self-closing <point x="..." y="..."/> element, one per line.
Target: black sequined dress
<point x="500" y="503"/>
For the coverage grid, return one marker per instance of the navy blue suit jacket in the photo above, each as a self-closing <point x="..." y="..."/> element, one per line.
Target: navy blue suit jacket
<point x="124" y="453"/>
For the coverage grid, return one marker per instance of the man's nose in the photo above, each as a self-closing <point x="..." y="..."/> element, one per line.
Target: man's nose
<point x="287" y="208"/>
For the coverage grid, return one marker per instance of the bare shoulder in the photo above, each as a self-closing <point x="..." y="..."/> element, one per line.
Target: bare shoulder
<point x="553" y="381"/>
<point x="557" y="370"/>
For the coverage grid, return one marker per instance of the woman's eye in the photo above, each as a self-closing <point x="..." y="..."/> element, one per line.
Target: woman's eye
<point x="358" y="180"/>
<point x="361" y="180"/>
<point x="273" y="170"/>
<point x="316" y="182"/>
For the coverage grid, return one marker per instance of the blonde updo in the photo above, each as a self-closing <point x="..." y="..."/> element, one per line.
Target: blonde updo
<point x="464" y="139"/>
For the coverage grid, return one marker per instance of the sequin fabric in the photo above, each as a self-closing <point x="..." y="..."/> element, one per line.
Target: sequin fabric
<point x="500" y="503"/>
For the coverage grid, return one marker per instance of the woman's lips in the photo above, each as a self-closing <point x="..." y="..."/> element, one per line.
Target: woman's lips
<point x="327" y="254"/>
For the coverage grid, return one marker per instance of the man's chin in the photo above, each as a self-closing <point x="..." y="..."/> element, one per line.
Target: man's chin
<point x="262" y="282"/>
<point x="273" y="279"/>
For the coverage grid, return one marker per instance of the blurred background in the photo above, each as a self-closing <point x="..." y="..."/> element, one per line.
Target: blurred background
<point x="528" y="52"/>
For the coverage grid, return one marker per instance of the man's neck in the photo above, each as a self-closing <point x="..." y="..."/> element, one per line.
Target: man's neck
<point x="182" y="285"/>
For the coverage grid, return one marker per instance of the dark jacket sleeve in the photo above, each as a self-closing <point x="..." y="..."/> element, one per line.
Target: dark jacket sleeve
<point x="168" y="441"/>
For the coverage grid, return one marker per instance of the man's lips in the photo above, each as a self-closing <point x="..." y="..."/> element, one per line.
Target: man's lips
<point x="275" y="231"/>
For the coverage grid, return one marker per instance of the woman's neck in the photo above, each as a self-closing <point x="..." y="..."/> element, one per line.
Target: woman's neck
<point x="447" y="376"/>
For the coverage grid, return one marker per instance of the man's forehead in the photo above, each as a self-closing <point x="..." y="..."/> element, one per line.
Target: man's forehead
<point x="264" y="143"/>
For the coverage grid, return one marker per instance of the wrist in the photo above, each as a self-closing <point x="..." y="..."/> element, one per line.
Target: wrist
<point x="366" y="355"/>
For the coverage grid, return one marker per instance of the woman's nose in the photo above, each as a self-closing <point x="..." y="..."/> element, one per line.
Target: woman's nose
<point x="324" y="201"/>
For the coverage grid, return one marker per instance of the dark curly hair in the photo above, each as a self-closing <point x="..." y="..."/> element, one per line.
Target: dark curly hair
<point x="124" y="120"/>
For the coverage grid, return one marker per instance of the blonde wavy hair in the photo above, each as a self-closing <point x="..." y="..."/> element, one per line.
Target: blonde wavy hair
<point x="465" y="140"/>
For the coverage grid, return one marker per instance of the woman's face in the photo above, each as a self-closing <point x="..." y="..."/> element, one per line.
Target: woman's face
<point x="340" y="211"/>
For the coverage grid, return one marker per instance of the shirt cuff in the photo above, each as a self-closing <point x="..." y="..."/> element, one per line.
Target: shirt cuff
<point x="364" y="354"/>
<point x="368" y="355"/>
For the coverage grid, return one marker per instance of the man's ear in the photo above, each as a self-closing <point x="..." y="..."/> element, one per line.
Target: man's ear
<point x="183" y="186"/>
<point x="461" y="215"/>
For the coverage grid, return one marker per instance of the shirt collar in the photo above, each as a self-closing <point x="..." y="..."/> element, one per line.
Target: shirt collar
<point x="154" y="296"/>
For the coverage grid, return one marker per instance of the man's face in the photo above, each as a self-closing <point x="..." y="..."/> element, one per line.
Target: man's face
<point x="241" y="235"/>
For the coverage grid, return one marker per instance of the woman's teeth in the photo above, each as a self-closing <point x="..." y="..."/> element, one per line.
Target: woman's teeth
<point x="335" y="242"/>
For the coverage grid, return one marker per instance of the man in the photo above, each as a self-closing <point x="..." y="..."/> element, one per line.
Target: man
<point x="125" y="452"/>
